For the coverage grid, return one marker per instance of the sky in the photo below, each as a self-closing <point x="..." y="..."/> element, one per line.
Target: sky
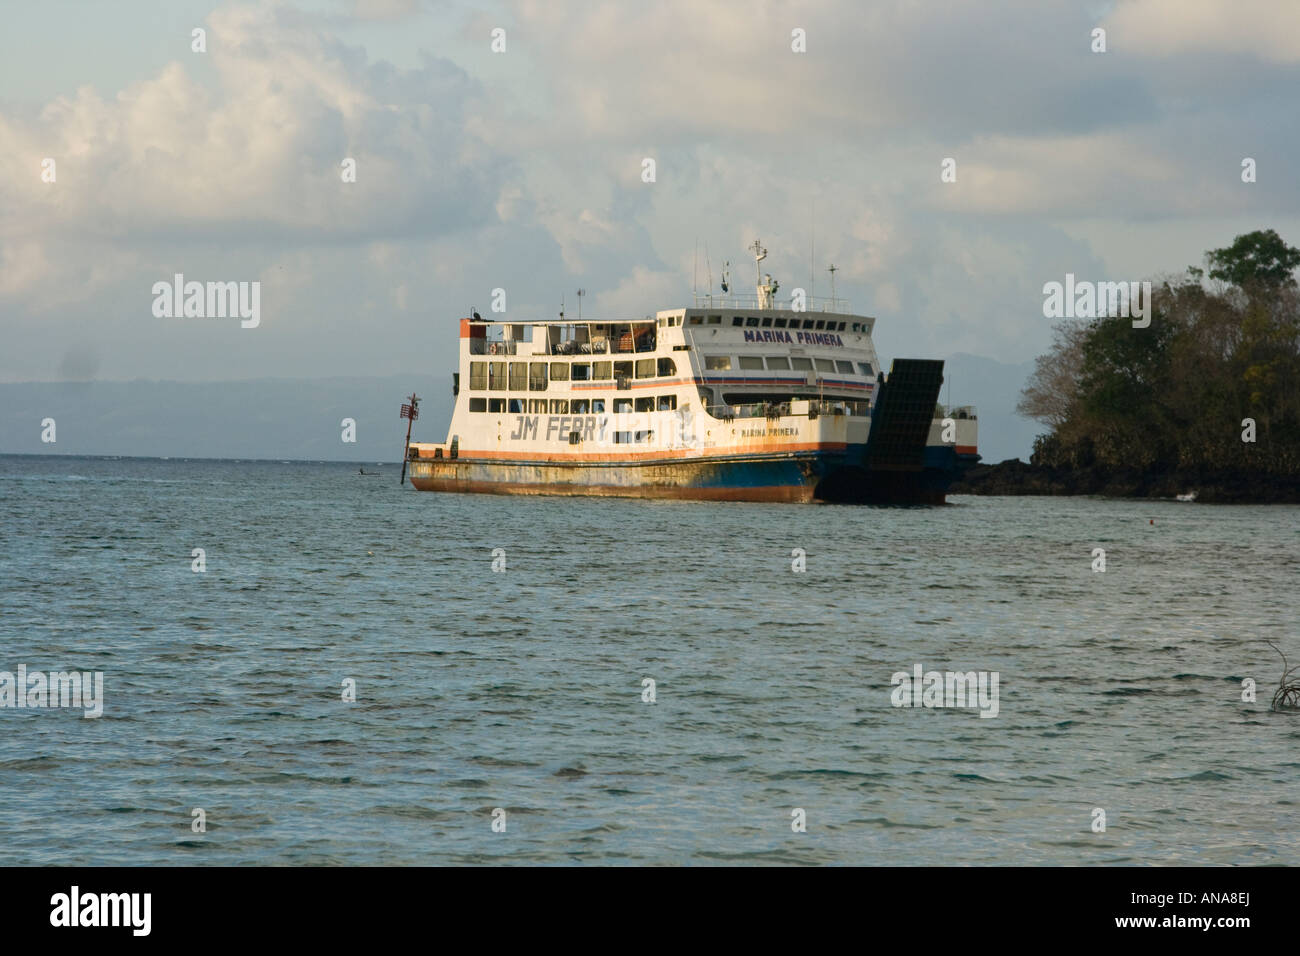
<point x="523" y="169"/>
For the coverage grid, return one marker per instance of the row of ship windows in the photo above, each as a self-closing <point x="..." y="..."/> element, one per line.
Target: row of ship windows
<point x="576" y="406"/>
<point x="533" y="376"/>
<point x="774" y="322"/>
<point x="724" y="363"/>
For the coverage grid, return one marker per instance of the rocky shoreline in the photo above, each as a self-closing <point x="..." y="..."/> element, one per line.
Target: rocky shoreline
<point x="1015" y="477"/>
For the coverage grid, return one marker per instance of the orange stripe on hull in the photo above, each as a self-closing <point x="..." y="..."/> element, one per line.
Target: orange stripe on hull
<point x="560" y="459"/>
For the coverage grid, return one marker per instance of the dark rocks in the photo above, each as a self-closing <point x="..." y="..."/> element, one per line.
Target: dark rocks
<point x="1015" y="477"/>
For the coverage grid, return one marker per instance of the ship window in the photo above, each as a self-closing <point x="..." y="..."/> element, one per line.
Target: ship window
<point x="516" y="406"/>
<point x="575" y="437"/>
<point x="767" y="321"/>
<point x="581" y="371"/>
<point x="497" y="376"/>
<point x="780" y="323"/>
<point x="645" y="368"/>
<point x="645" y="404"/>
<point x="706" y="396"/>
<point x="496" y="405"/>
<point x="478" y="404"/>
<point x="715" y="320"/>
<point x="632" y="438"/>
<point x="752" y="321"/>
<point x="719" y="363"/>
<point x="518" y="376"/>
<point x="537" y="406"/>
<point x="821" y="324"/>
<point x="737" y="320"/>
<point x="840" y="327"/>
<point x="697" y="320"/>
<point x="751" y="361"/>
<point x="842" y="366"/>
<point x="622" y="405"/>
<point x="477" y="376"/>
<point x="601" y="370"/>
<point x="865" y="368"/>
<point x="580" y="406"/>
<point x="803" y="364"/>
<point x="778" y="361"/>
<point x="825" y="365"/>
<point x="598" y="406"/>
<point x="667" y="403"/>
<point x="559" y="371"/>
<point x="559" y="406"/>
<point x="667" y="367"/>
<point x="537" y="377"/>
<point x="623" y="370"/>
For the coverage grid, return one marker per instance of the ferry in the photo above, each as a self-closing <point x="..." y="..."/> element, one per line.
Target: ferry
<point x="737" y="398"/>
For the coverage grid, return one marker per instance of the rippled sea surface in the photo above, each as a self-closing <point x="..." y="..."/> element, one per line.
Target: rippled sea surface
<point x="522" y="689"/>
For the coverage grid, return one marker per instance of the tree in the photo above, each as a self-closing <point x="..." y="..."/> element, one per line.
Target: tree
<point x="1173" y="396"/>
<point x="1051" y="394"/>
<point x="1259" y="258"/>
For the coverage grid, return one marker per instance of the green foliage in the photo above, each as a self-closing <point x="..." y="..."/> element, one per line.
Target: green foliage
<point x="1173" y="395"/>
<point x="1256" y="258"/>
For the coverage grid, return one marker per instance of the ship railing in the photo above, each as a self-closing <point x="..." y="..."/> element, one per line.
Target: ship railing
<point x="624" y="345"/>
<point x="484" y="347"/>
<point x="573" y="347"/>
<point x="956" y="412"/>
<point x="783" y="410"/>
<point x="816" y="303"/>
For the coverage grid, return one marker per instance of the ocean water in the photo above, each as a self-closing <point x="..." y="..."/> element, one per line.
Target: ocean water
<point x="522" y="689"/>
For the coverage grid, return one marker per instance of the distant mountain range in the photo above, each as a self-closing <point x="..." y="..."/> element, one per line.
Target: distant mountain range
<point x="302" y="418"/>
<point x="262" y="418"/>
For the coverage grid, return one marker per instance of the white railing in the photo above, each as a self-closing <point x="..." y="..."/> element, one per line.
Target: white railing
<point x="734" y="301"/>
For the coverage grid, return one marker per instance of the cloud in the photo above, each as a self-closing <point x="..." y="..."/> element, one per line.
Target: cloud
<point x="1267" y="30"/>
<point x="523" y="170"/>
<point x="383" y="9"/>
<point x="259" y="156"/>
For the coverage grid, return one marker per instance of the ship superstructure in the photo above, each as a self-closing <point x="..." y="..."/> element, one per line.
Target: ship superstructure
<point x="734" y="398"/>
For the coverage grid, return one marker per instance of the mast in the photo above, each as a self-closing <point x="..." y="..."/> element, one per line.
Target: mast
<point x="410" y="411"/>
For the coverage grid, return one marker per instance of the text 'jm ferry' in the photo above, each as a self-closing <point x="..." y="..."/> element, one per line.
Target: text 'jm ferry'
<point x="740" y="400"/>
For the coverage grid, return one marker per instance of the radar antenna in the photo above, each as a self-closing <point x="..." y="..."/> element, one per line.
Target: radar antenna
<point x="759" y="255"/>
<point x="767" y="286"/>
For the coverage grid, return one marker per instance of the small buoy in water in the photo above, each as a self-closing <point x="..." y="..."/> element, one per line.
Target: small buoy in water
<point x="1153" y="520"/>
<point x="371" y="553"/>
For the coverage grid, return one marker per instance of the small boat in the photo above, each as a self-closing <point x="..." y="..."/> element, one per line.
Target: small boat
<point x="1190" y="496"/>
